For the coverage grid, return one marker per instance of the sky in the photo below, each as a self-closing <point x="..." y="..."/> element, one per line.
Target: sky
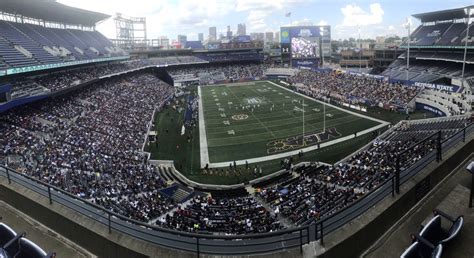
<point x="190" y="17"/>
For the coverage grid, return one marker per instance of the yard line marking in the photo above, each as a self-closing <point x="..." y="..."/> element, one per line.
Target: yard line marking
<point x="312" y="128"/>
<point x="255" y="117"/>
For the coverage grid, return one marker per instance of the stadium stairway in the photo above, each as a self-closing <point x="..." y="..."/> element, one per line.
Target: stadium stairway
<point x="178" y="193"/>
<point x="164" y="174"/>
<point x="283" y="221"/>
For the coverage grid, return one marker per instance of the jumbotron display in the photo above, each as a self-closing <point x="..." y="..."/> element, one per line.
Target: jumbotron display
<point x="305" y="46"/>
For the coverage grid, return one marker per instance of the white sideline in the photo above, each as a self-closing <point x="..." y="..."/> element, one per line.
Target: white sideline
<point x="202" y="133"/>
<point x="205" y="152"/>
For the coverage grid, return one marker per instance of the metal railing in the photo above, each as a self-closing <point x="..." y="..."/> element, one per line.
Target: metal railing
<point x="238" y="244"/>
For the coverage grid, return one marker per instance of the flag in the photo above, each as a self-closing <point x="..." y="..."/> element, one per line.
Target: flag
<point x="408" y="23"/>
<point x="288" y="14"/>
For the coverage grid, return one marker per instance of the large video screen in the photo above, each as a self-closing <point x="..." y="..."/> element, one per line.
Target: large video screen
<point x="305" y="47"/>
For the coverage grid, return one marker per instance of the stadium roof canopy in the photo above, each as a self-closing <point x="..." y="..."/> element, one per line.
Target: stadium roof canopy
<point x="443" y="15"/>
<point x="50" y="10"/>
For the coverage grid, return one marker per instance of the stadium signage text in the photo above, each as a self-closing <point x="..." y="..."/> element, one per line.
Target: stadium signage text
<point x="437" y="86"/>
<point x="431" y="109"/>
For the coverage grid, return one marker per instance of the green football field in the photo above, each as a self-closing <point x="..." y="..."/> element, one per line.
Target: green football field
<point x="257" y="119"/>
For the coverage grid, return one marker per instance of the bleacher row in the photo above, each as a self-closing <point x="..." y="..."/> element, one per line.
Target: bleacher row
<point x="445" y="33"/>
<point x="23" y="44"/>
<point x="89" y="144"/>
<point x="16" y="245"/>
<point x="425" y="70"/>
<point x="319" y="191"/>
<point x="240" y="56"/>
<point x="211" y="73"/>
<point x="51" y="82"/>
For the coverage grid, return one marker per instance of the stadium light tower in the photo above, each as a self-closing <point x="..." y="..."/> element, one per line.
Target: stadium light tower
<point x="408" y="26"/>
<point x="468" y="11"/>
<point x="360" y="51"/>
<point x="302" y="140"/>
<point x="321" y="31"/>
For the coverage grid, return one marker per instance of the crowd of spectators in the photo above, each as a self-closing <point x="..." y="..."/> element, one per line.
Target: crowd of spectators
<point x="307" y="199"/>
<point x="64" y="79"/>
<point x="239" y="215"/>
<point x="354" y="89"/>
<point x="208" y="74"/>
<point x="321" y="191"/>
<point x="90" y="144"/>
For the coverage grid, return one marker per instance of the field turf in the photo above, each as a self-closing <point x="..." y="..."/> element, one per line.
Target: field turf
<point x="241" y="121"/>
<point x="186" y="154"/>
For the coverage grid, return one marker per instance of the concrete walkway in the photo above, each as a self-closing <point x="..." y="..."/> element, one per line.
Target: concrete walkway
<point x="46" y="238"/>
<point x="451" y="196"/>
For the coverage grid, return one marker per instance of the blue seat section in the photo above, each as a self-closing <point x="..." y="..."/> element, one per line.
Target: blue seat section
<point x="441" y="34"/>
<point x="16" y="37"/>
<point x="46" y="45"/>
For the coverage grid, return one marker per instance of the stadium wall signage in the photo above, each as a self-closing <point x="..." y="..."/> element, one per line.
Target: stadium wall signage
<point x="21" y="101"/>
<point x="431" y="109"/>
<point x="451" y="88"/>
<point x="57" y="65"/>
<point x="448" y="88"/>
<point x="310" y="64"/>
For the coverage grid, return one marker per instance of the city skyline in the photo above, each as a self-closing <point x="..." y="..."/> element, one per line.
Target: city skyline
<point x="187" y="17"/>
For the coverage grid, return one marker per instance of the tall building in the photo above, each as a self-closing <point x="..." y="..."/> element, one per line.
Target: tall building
<point x="269" y="36"/>
<point x="258" y="36"/>
<point x="241" y="30"/>
<point x="201" y="37"/>
<point x="212" y="33"/>
<point x="161" y="41"/>
<point x="229" y="32"/>
<point x="277" y="37"/>
<point x="182" y="40"/>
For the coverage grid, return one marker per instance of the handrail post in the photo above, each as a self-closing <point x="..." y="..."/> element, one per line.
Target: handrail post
<point x="8" y="176"/>
<point x="307" y="235"/>
<point x="464" y="134"/>
<point x="110" y="222"/>
<point x="316" y="231"/>
<point x="393" y="186"/>
<point x="197" y="247"/>
<point x="301" y="241"/>
<point x="397" y="174"/>
<point x="49" y="195"/>
<point x="439" y="155"/>
<point x="321" y="234"/>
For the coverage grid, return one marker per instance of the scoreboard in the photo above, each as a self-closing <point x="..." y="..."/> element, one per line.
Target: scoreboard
<point x="305" y="46"/>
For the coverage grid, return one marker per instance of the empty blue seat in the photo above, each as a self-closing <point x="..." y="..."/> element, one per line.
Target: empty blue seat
<point x="422" y="248"/>
<point x="6" y="234"/>
<point x="28" y="249"/>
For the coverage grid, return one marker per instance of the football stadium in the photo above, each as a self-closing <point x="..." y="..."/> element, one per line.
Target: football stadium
<point x="299" y="141"/>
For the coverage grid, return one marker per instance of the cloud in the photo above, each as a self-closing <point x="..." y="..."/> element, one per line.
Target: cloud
<point x="356" y="16"/>
<point x="303" y="22"/>
<point x="259" y="11"/>
<point x="322" y="23"/>
<point x="248" y="5"/>
<point x="171" y="17"/>
<point x="256" y="20"/>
